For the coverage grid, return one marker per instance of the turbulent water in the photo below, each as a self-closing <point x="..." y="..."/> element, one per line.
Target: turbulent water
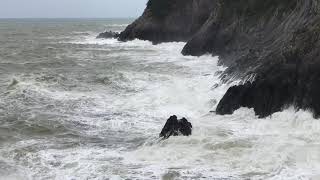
<point x="75" y="107"/>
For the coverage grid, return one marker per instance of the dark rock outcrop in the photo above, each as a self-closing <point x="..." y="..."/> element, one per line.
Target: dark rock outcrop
<point x="178" y="20"/>
<point x="282" y="51"/>
<point x="175" y="127"/>
<point x="277" y="41"/>
<point x="279" y="87"/>
<point x="108" y="35"/>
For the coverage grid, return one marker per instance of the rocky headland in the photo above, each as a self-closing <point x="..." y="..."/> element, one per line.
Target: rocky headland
<point x="276" y="41"/>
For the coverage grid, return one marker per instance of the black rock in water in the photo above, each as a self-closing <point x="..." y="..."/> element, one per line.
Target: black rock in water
<point x="108" y="34"/>
<point x="175" y="127"/>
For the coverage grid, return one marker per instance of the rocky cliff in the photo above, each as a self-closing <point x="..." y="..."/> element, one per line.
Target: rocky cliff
<point x="169" y="20"/>
<point x="277" y="41"/>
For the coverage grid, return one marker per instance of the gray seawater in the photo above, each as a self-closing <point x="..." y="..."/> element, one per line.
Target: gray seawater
<point x="75" y="107"/>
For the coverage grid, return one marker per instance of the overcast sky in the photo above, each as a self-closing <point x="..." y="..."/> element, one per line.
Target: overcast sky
<point x="71" y="8"/>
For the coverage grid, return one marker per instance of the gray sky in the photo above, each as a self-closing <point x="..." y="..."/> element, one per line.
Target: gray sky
<point x="70" y="8"/>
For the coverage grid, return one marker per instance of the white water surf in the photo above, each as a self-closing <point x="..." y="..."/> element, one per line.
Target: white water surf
<point x="95" y="112"/>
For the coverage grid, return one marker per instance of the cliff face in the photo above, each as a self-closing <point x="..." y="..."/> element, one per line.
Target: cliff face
<point x="179" y="22"/>
<point x="275" y="40"/>
<point x="249" y="33"/>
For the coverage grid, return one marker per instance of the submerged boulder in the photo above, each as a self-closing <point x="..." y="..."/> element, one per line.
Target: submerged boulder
<point x="108" y="34"/>
<point x="175" y="127"/>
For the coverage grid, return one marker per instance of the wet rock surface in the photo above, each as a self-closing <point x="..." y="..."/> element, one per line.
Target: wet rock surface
<point x="175" y="127"/>
<point x="108" y="35"/>
<point x="282" y="86"/>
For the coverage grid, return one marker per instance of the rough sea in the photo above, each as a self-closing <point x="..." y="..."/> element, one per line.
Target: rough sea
<point x="76" y="107"/>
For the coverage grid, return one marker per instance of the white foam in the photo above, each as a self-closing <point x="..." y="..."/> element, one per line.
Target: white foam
<point x="117" y="25"/>
<point x="93" y="41"/>
<point x="162" y="82"/>
<point x="284" y="146"/>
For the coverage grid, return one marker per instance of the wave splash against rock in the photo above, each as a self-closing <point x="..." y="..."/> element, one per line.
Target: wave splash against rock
<point x="275" y="40"/>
